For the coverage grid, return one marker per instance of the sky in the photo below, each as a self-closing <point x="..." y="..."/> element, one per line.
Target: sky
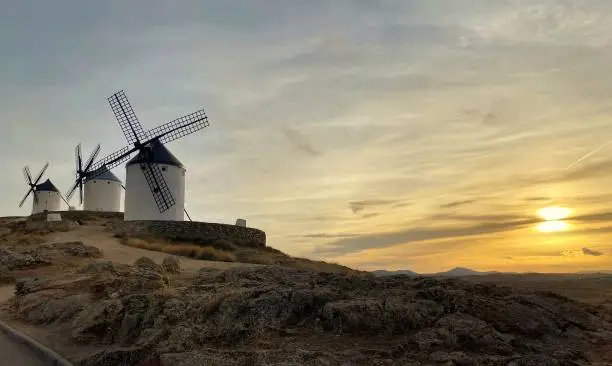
<point x="398" y="134"/>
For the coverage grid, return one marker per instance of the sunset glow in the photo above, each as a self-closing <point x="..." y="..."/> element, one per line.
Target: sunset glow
<point x="554" y="213"/>
<point x="553" y="226"/>
<point x="420" y="135"/>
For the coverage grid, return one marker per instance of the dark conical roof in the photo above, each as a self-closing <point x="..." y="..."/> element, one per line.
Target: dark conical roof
<point x="106" y="175"/>
<point x="160" y="155"/>
<point x="47" y="186"/>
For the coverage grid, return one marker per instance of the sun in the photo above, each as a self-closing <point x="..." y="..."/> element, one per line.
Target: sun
<point x="553" y="226"/>
<point x="553" y="217"/>
<point x="554" y="213"/>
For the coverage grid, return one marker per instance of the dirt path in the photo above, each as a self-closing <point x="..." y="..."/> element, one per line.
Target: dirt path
<point x="17" y="354"/>
<point x="116" y="252"/>
<point x="14" y="353"/>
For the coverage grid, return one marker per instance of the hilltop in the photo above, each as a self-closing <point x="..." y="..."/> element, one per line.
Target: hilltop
<point x="98" y="300"/>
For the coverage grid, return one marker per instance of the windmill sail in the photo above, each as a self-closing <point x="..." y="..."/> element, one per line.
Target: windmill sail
<point x="82" y="171"/>
<point x="32" y="183"/>
<point x="142" y="143"/>
<point x="112" y="160"/>
<point x="159" y="188"/>
<point x="180" y="127"/>
<point x="129" y="123"/>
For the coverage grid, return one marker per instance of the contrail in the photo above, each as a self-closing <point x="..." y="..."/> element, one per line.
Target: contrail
<point x="587" y="155"/>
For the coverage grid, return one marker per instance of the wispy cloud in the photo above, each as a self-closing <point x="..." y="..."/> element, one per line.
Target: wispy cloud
<point x="595" y="253"/>
<point x="327" y="236"/>
<point x="387" y="239"/>
<point x="433" y="120"/>
<point x="457" y="203"/>
<point x="299" y="141"/>
<point x="358" y="206"/>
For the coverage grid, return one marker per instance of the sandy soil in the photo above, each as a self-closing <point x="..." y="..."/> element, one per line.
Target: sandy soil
<point x="116" y="252"/>
<point x="113" y="251"/>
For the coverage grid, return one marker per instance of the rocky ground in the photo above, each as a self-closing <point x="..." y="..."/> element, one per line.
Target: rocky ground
<point x="101" y="312"/>
<point x="149" y="314"/>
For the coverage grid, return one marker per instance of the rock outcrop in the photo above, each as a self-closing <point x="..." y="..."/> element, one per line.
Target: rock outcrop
<point x="274" y="315"/>
<point x="13" y="258"/>
<point x="74" y="248"/>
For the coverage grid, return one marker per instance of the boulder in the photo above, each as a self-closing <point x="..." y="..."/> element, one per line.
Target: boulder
<point x="11" y="260"/>
<point x="147" y="263"/>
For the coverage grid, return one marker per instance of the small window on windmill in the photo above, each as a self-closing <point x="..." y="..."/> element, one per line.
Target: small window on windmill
<point x="163" y="168"/>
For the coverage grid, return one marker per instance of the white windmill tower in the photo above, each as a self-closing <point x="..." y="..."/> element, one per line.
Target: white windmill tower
<point x="102" y="192"/>
<point x="139" y="204"/>
<point x="155" y="179"/>
<point x="46" y="197"/>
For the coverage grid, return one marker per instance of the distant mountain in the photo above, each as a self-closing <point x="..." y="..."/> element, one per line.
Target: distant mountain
<point x="461" y="271"/>
<point x="383" y="273"/>
<point x="455" y="272"/>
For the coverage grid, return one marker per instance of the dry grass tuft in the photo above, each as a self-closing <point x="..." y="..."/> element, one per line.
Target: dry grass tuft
<point x="227" y="251"/>
<point x="30" y="239"/>
<point x="183" y="250"/>
<point x="167" y="293"/>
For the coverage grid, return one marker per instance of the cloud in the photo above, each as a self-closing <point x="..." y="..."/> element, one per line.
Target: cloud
<point x="598" y="169"/>
<point x="571" y="253"/>
<point x="537" y="199"/>
<point x="457" y="203"/>
<point x="544" y="254"/>
<point x="299" y="141"/>
<point x="388" y="239"/>
<point x="586" y="171"/>
<point x="587" y="251"/>
<point x="314" y="105"/>
<point x="402" y="204"/>
<point x="327" y="236"/>
<point x="478" y="218"/>
<point x="594" y="217"/>
<point x="358" y="206"/>
<point x="370" y="215"/>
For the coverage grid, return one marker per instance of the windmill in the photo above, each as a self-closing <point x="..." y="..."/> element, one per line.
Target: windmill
<point x="45" y="196"/>
<point x="155" y="178"/>
<point x="102" y="192"/>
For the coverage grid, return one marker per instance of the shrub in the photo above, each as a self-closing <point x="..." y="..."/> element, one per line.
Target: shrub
<point x="171" y="264"/>
<point x="183" y="250"/>
<point x="29" y="239"/>
<point x="210" y="253"/>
